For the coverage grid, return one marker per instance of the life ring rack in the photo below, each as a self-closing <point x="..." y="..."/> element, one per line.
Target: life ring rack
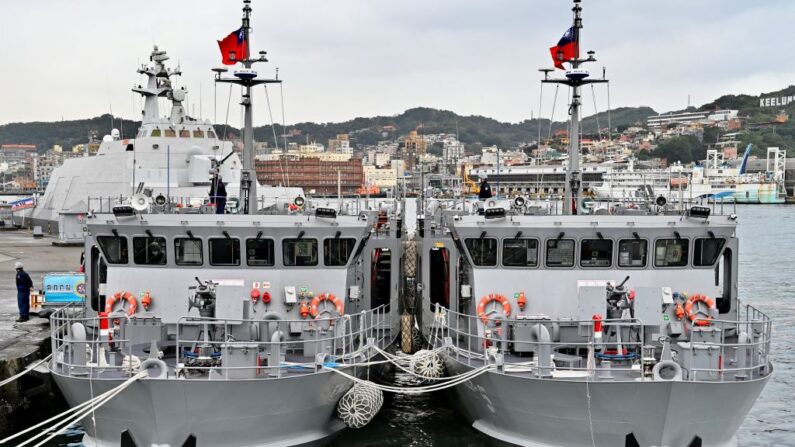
<point x="481" y="309"/>
<point x="314" y="309"/>
<point x="691" y="314"/>
<point x="119" y="296"/>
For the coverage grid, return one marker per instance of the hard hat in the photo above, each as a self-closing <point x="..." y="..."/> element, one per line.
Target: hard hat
<point x="18" y="265"/>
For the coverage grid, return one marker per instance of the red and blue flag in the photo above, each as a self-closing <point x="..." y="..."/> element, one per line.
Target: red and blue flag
<point x="233" y="47"/>
<point x="566" y="49"/>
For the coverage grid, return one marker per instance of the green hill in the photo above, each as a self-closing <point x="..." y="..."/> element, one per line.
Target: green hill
<point x="474" y="130"/>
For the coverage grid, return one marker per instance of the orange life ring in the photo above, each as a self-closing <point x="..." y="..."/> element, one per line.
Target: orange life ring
<point x="692" y="315"/>
<point x="313" y="305"/>
<point x="506" y="305"/>
<point x="118" y="296"/>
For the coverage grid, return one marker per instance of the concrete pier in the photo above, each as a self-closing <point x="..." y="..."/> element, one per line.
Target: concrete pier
<point x="24" y="343"/>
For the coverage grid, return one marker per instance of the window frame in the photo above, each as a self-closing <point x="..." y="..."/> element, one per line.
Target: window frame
<point x="104" y="254"/>
<point x="210" y="251"/>
<point x="273" y="252"/>
<point x="560" y="267"/>
<point x="146" y="236"/>
<point x="522" y="267"/>
<point x="496" y="254"/>
<point x="717" y="258"/>
<point x="632" y="267"/>
<point x="666" y="267"/>
<point x="350" y="255"/>
<point x="295" y="239"/>
<point x="176" y="258"/>
<point x="612" y="259"/>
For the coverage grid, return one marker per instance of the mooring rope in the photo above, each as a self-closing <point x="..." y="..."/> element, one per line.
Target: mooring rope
<point x="24" y="371"/>
<point x="82" y="409"/>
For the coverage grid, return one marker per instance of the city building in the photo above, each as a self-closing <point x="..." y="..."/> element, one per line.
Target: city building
<point x="313" y="174"/>
<point x="382" y="178"/>
<point x="414" y="145"/>
<point x="17" y="153"/>
<point x="340" y="144"/>
<point x="666" y="119"/>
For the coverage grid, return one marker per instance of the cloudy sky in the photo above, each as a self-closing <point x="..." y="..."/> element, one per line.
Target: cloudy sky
<point x="346" y="58"/>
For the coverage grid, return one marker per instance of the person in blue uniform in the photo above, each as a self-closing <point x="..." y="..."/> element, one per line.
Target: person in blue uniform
<point x="218" y="195"/>
<point x="485" y="190"/>
<point x="24" y="284"/>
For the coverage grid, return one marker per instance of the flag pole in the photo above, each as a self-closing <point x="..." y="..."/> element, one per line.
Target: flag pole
<point x="247" y="78"/>
<point x="575" y="78"/>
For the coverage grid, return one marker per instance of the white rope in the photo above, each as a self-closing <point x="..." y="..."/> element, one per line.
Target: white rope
<point x="59" y="427"/>
<point x="24" y="371"/>
<point x="590" y="367"/>
<point x="420" y="389"/>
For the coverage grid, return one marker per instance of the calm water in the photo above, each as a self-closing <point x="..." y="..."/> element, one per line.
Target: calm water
<point x="767" y="280"/>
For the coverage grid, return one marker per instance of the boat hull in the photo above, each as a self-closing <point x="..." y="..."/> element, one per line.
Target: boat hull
<point x="534" y="412"/>
<point x="296" y="410"/>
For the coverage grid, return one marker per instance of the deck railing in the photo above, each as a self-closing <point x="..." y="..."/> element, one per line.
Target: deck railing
<point x="82" y="348"/>
<point x="742" y="348"/>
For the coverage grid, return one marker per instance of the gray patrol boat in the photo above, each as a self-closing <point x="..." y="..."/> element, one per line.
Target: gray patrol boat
<point x="603" y="326"/>
<point x="226" y="329"/>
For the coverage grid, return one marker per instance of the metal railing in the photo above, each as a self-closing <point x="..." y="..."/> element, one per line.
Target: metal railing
<point x="82" y="349"/>
<point x="741" y="351"/>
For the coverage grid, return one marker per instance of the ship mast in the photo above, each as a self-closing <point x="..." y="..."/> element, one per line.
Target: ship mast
<point x="575" y="78"/>
<point x="247" y="78"/>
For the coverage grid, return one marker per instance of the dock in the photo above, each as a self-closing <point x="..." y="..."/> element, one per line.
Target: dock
<point x="23" y="343"/>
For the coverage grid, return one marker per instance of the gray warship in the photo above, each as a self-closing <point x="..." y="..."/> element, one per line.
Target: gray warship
<point x="168" y="156"/>
<point x="615" y="325"/>
<point x="227" y="329"/>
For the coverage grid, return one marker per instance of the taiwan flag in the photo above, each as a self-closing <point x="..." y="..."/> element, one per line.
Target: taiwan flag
<point x="567" y="48"/>
<point x="233" y="47"/>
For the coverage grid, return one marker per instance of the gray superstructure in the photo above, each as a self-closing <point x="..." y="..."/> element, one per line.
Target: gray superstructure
<point x="598" y="326"/>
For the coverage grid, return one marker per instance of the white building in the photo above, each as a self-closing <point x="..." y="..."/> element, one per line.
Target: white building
<point x="382" y="178"/>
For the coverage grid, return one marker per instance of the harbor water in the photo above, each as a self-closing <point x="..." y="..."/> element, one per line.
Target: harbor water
<point x="767" y="280"/>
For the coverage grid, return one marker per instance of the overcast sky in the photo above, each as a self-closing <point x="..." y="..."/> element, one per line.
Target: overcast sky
<point x="346" y="58"/>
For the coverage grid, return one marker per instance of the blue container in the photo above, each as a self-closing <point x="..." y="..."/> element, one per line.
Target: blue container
<point x="64" y="288"/>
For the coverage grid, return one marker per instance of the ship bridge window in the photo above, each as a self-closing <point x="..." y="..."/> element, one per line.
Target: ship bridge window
<point x="188" y="251"/>
<point x="483" y="251"/>
<point x="596" y="253"/>
<point x="114" y="248"/>
<point x="520" y="253"/>
<point x="299" y="252"/>
<point x="671" y="252"/>
<point x="224" y="251"/>
<point x="184" y="133"/>
<point x="170" y="133"/>
<point x="632" y="252"/>
<point x="155" y="133"/>
<point x="149" y="250"/>
<point x="336" y="252"/>
<point x="706" y="251"/>
<point x="560" y="253"/>
<point x="198" y="133"/>
<point x="211" y="134"/>
<point x="259" y="252"/>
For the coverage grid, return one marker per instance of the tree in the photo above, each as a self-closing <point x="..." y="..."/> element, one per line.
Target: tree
<point x="685" y="149"/>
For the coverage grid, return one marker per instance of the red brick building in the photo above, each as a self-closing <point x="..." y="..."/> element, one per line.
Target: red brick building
<point x="312" y="173"/>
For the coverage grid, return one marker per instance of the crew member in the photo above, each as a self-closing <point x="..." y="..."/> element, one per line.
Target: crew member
<point x="485" y="190"/>
<point x="218" y="195"/>
<point x="24" y="284"/>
